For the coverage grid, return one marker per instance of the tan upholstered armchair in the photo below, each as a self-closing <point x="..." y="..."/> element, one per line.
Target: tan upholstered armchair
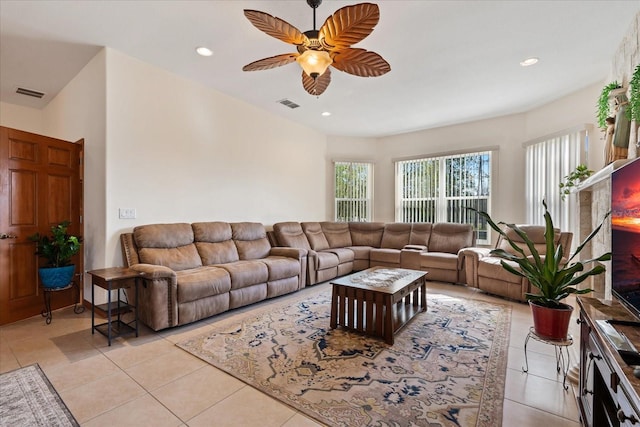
<point x="485" y="272"/>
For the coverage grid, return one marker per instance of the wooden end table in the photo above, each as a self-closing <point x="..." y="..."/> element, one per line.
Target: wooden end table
<point x="114" y="278"/>
<point x="378" y="301"/>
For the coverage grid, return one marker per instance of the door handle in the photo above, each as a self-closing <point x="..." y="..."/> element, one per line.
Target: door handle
<point x="7" y="236"/>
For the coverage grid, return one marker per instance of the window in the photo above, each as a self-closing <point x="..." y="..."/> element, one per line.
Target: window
<point x="353" y="185"/>
<point x="547" y="163"/>
<point x="439" y="189"/>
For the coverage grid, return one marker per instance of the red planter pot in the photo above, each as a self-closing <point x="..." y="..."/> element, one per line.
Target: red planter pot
<point x="551" y="323"/>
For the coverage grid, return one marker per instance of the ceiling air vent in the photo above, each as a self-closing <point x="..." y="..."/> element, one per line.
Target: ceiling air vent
<point x="288" y="103"/>
<point x="30" y="92"/>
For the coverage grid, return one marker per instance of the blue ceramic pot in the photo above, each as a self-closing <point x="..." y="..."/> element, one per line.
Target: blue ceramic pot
<point x="56" y="277"/>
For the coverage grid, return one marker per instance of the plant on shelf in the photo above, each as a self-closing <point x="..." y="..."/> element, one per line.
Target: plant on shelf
<point x="579" y="174"/>
<point x="554" y="277"/>
<point x="57" y="249"/>
<point x="634" y="96"/>
<point x="603" y="104"/>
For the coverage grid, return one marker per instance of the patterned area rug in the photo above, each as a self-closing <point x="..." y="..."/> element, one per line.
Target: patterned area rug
<point x="27" y="399"/>
<point x="446" y="368"/>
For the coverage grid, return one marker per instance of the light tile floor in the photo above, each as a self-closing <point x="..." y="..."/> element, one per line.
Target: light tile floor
<point x="148" y="381"/>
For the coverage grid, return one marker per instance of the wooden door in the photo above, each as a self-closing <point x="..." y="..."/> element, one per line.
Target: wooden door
<point x="40" y="186"/>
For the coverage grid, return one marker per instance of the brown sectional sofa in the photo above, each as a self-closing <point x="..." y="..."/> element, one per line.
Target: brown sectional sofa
<point x="338" y="248"/>
<point x="193" y="271"/>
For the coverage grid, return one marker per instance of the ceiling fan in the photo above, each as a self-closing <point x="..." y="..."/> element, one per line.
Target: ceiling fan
<point x="318" y="49"/>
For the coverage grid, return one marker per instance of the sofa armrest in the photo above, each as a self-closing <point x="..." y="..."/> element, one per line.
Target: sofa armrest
<point x="157" y="303"/>
<point x="468" y="259"/>
<point x="288" y="252"/>
<point x="152" y="271"/>
<point x="475" y="253"/>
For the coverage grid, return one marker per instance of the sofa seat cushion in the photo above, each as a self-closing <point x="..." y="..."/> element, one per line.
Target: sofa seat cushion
<point x="326" y="260"/>
<point x="386" y="255"/>
<point x="440" y="260"/>
<point x="491" y="267"/>
<point x="202" y="282"/>
<point x="344" y="254"/>
<point x="360" y="252"/>
<point x="246" y="273"/>
<point x="281" y="267"/>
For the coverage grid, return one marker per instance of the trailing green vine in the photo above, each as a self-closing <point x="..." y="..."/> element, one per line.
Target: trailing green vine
<point x="634" y="96"/>
<point x="580" y="173"/>
<point x="603" y="103"/>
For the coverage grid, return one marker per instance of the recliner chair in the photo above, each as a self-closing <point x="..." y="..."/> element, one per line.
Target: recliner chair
<point x="485" y="272"/>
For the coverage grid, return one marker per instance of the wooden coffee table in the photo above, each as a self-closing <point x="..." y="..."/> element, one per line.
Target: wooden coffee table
<point x="378" y="301"/>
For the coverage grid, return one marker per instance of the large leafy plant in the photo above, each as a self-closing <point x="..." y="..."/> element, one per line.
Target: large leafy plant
<point x="59" y="247"/>
<point x="554" y="277"/>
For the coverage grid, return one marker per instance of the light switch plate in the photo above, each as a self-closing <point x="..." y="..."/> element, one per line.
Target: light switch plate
<point x="127" y="213"/>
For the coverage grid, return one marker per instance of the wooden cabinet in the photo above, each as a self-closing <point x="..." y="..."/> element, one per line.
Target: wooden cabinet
<point x="608" y="392"/>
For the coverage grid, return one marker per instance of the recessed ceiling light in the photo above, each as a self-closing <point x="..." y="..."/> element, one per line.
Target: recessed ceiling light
<point x="204" y="51"/>
<point x="529" y="61"/>
<point x="326" y="114"/>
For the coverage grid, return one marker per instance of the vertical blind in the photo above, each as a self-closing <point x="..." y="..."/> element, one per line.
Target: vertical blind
<point x="353" y="191"/>
<point x="440" y="189"/>
<point x="547" y="163"/>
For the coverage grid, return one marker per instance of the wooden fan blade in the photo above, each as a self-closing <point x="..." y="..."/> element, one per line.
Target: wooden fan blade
<point x="318" y="86"/>
<point x="272" y="62"/>
<point x="275" y="27"/>
<point x="349" y="25"/>
<point x="360" y="62"/>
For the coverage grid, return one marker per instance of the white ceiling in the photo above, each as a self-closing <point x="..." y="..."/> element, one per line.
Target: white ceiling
<point x="451" y="61"/>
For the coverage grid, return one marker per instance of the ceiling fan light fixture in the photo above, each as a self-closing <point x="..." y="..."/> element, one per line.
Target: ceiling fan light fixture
<point x="314" y="62"/>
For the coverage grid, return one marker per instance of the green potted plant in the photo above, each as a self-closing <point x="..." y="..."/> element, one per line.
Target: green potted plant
<point x="579" y="174"/>
<point x="634" y="96"/>
<point x="603" y="103"/>
<point x="554" y="278"/>
<point x="57" y="249"/>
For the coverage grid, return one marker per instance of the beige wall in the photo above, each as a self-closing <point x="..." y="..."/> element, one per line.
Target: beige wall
<point x="508" y="133"/>
<point x="180" y="152"/>
<point x="23" y="118"/>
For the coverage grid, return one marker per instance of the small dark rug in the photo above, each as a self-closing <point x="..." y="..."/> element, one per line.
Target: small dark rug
<point x="27" y="399"/>
<point x="447" y="367"/>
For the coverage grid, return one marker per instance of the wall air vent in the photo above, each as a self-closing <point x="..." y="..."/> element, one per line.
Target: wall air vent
<point x="30" y="92"/>
<point x="288" y="103"/>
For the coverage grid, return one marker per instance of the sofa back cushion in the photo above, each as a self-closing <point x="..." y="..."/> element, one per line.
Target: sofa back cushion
<point x="290" y="234"/>
<point x="396" y="235"/>
<point x="313" y="231"/>
<point x="534" y="232"/>
<point x="251" y="240"/>
<point x="337" y="234"/>
<point x="450" y="237"/>
<point x="170" y="245"/>
<point x="420" y="233"/>
<point x="366" y="233"/>
<point x="214" y="244"/>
